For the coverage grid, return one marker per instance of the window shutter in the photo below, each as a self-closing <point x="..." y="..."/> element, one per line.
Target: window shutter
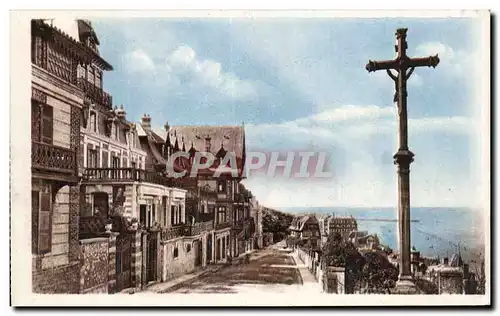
<point x="35" y="121"/>
<point x="47" y="124"/>
<point x="35" y="206"/>
<point x="45" y="223"/>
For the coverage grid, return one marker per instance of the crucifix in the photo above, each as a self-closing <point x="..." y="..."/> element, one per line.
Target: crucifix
<point x="404" y="67"/>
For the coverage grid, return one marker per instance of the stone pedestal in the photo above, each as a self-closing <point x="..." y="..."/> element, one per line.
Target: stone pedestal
<point x="406" y="286"/>
<point x="450" y="281"/>
<point x="112" y="262"/>
<point x="136" y="262"/>
<point x="334" y="280"/>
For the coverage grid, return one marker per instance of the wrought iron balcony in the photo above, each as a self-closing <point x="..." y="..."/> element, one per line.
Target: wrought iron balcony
<point x="95" y="93"/>
<point x="53" y="158"/>
<point x="175" y="232"/>
<point x="125" y="175"/>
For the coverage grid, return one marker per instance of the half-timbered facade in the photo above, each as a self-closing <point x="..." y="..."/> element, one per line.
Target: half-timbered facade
<point x="214" y="191"/>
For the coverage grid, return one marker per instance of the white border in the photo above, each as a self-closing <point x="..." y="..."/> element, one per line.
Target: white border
<point x="20" y="181"/>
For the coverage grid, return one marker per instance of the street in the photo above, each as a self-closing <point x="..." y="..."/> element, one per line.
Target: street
<point x="272" y="269"/>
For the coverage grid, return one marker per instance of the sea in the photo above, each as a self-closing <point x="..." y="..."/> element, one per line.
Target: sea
<point x="435" y="231"/>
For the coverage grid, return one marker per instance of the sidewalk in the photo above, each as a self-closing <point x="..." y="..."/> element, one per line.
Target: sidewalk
<point x="305" y="274"/>
<point x="179" y="281"/>
<point x="183" y="279"/>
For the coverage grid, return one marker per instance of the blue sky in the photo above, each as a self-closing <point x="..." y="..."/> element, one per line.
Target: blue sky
<point x="301" y="83"/>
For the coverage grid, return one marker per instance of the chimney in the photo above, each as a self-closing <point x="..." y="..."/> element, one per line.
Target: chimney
<point x="146" y="122"/>
<point x="121" y="113"/>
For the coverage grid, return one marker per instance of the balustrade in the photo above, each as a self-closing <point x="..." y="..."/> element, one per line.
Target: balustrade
<point x="95" y="93"/>
<point x="53" y="158"/>
<point x="198" y="228"/>
<point x="175" y="231"/>
<point x="222" y="225"/>
<point x="125" y="174"/>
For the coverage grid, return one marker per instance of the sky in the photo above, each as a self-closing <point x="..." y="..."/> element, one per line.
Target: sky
<point x="301" y="84"/>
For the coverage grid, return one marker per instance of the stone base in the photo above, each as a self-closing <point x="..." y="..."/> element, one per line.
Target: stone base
<point x="406" y="287"/>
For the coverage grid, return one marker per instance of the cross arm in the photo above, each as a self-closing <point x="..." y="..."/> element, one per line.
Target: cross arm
<point x="380" y="65"/>
<point x="431" y="61"/>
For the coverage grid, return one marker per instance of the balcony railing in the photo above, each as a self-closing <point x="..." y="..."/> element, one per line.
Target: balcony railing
<point x="238" y="225"/>
<point x="175" y="231"/>
<point x="125" y="174"/>
<point x="198" y="228"/>
<point x="222" y="225"/>
<point x="96" y="94"/>
<point x="53" y="158"/>
<point x="91" y="226"/>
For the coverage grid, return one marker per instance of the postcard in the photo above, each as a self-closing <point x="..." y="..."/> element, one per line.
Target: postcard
<point x="257" y="158"/>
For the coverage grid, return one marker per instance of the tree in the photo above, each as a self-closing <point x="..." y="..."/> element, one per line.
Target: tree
<point x="378" y="274"/>
<point x="340" y="253"/>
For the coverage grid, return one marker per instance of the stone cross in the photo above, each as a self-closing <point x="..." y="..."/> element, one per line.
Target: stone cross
<point x="404" y="67"/>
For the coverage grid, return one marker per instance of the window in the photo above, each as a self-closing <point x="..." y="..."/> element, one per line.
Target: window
<point x="42" y="121"/>
<point x="208" y="144"/>
<point x="142" y="214"/>
<point x="90" y="74"/>
<point x="172" y="215"/>
<point x="93" y="121"/>
<point x="92" y="161"/>
<point x="115" y="131"/>
<point x="176" y="252"/>
<point x="98" y="79"/>
<point x="81" y="71"/>
<point x="221" y="214"/>
<point x="133" y="164"/>
<point x="188" y="248"/>
<point x="115" y="162"/>
<point x="221" y="186"/>
<point x="132" y="140"/>
<point x="41" y="212"/>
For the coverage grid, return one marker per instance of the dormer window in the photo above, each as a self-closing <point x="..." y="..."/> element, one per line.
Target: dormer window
<point x="115" y="130"/>
<point x="208" y="144"/>
<point x="132" y="139"/>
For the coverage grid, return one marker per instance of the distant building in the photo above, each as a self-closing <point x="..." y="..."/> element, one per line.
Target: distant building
<point x="342" y="225"/>
<point x="305" y="227"/>
<point x="364" y="242"/>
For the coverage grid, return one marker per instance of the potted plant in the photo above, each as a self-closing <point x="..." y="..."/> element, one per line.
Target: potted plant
<point x="109" y="225"/>
<point x="156" y="225"/>
<point x="134" y="224"/>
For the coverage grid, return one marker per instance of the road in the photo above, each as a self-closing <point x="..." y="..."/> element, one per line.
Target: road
<point x="272" y="270"/>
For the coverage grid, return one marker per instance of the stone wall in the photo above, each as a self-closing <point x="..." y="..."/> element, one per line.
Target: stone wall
<point x="450" y="281"/>
<point x="184" y="262"/>
<point x="95" y="265"/>
<point x="58" y="280"/>
<point x="334" y="280"/>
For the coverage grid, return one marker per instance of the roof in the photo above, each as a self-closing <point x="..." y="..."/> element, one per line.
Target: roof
<point x="299" y="223"/>
<point x="230" y="138"/>
<point x="358" y="234"/>
<point x="70" y="30"/>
